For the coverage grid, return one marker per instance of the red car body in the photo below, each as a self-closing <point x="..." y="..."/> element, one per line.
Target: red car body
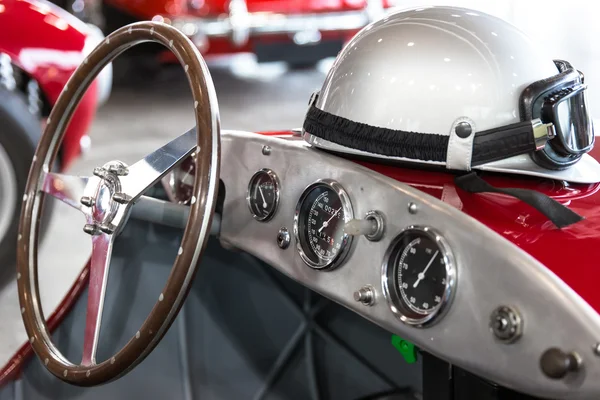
<point x="48" y="44"/>
<point x="233" y="26"/>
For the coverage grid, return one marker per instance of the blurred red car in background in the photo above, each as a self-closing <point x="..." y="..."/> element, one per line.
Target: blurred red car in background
<point x="41" y="45"/>
<point x="299" y="32"/>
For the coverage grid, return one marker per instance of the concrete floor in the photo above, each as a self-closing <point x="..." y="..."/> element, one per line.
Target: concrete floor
<point x="142" y="115"/>
<point x="146" y="112"/>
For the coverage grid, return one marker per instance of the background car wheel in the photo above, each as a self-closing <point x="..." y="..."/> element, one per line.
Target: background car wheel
<point x="19" y="134"/>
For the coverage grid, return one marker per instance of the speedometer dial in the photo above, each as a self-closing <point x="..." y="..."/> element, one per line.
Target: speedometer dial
<point x="419" y="275"/>
<point x="321" y="214"/>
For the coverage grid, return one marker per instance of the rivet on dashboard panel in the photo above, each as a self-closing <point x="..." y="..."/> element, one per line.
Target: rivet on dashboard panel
<point x="506" y="324"/>
<point x="412" y="208"/>
<point x="266" y="150"/>
<point x="365" y="295"/>
<point x="283" y="238"/>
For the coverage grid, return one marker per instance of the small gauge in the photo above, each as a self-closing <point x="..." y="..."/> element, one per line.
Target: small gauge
<point x="263" y="195"/>
<point x="418" y="275"/>
<point x="321" y="214"/>
<point x="179" y="184"/>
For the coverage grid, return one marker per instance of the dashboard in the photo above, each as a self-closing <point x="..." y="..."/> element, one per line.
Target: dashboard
<point x="408" y="262"/>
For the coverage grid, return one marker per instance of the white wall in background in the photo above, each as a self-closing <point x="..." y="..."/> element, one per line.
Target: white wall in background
<point x="567" y="29"/>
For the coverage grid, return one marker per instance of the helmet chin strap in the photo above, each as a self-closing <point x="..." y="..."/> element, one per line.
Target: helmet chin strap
<point x="560" y="215"/>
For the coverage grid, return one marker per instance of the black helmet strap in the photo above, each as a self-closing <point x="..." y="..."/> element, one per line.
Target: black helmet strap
<point x="489" y="145"/>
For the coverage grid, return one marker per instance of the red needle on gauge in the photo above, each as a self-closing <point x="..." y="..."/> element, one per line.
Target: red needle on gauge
<point x="421" y="275"/>
<point x="326" y="223"/>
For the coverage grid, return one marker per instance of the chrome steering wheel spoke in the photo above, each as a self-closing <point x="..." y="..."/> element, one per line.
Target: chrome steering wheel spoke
<point x="145" y="173"/>
<point x="99" y="266"/>
<point x="69" y="189"/>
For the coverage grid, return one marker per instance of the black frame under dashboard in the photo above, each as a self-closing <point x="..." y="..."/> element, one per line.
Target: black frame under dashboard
<point x="443" y="381"/>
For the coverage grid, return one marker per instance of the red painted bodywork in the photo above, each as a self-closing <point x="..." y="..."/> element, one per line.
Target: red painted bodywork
<point x="571" y="253"/>
<point x="47" y="43"/>
<point x="12" y="369"/>
<point x="147" y="9"/>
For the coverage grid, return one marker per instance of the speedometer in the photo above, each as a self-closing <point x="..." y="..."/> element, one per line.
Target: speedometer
<point x="321" y="214"/>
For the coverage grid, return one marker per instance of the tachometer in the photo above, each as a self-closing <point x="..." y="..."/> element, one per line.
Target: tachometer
<point x="321" y="213"/>
<point x="418" y="275"/>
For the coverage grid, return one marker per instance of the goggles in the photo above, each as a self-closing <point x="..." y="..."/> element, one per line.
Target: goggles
<point x="561" y="101"/>
<point x="555" y="129"/>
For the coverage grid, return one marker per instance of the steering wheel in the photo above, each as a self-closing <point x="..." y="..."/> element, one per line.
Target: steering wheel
<point x="106" y="199"/>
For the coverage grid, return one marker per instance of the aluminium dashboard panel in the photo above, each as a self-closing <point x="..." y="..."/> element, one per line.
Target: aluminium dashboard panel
<point x="491" y="271"/>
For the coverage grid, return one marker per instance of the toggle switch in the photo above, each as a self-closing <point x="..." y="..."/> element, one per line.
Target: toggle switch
<point x="372" y="226"/>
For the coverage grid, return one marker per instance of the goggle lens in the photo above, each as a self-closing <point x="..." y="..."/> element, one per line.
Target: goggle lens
<point x="568" y="111"/>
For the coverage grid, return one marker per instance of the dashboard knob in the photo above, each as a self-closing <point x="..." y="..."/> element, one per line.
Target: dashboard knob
<point x="556" y="364"/>
<point x="283" y="238"/>
<point x="365" y="295"/>
<point x="356" y="227"/>
<point x="372" y="227"/>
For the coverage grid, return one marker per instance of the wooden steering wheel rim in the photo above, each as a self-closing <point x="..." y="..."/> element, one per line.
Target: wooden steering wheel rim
<point x="197" y="230"/>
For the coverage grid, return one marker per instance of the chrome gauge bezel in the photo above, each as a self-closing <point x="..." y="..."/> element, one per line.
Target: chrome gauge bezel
<point x="346" y="245"/>
<point x="395" y="301"/>
<point x="275" y="180"/>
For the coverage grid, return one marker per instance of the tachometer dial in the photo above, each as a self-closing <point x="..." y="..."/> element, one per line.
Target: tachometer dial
<point x="263" y="195"/>
<point x="419" y="275"/>
<point x="321" y="213"/>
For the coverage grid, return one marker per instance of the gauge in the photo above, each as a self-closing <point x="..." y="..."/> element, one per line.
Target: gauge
<point x="263" y="194"/>
<point x="418" y="275"/>
<point x="179" y="184"/>
<point x="321" y="214"/>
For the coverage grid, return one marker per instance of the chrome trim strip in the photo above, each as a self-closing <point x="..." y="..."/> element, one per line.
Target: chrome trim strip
<point x="240" y="26"/>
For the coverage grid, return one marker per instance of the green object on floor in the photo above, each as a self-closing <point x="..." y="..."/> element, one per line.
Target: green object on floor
<point x="407" y="349"/>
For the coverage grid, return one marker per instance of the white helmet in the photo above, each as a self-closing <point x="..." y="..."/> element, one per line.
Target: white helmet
<point x="457" y="88"/>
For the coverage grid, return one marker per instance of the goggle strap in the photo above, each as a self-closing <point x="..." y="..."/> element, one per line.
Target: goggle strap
<point x="510" y="140"/>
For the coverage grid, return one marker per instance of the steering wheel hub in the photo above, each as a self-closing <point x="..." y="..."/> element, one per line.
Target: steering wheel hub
<point x="104" y="207"/>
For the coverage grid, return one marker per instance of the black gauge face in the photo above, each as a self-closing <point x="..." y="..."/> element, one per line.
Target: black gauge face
<point x="263" y="195"/>
<point x="420" y="275"/>
<point x="322" y="213"/>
